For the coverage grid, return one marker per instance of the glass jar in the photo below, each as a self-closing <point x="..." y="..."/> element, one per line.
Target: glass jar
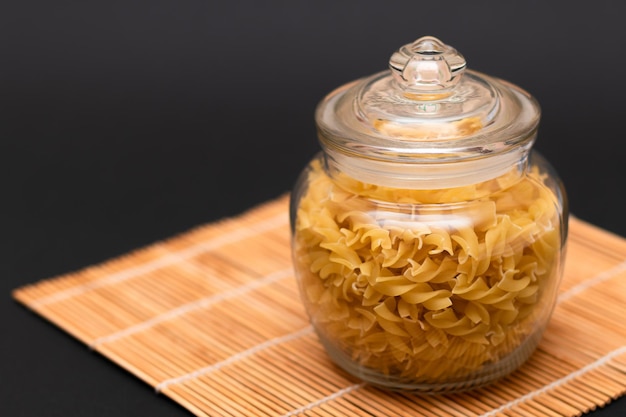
<point x="427" y="238"/>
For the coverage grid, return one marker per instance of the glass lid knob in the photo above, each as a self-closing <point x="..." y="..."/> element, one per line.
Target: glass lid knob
<point x="427" y="65"/>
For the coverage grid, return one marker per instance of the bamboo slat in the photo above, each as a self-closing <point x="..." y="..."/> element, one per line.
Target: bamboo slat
<point x="212" y="319"/>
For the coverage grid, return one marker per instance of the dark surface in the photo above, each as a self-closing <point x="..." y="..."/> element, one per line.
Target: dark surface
<point x="124" y="122"/>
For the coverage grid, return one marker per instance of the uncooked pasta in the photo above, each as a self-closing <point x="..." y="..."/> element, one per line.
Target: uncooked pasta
<point x="427" y="285"/>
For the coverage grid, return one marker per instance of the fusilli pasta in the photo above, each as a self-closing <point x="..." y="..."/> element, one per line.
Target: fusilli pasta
<point x="426" y="285"/>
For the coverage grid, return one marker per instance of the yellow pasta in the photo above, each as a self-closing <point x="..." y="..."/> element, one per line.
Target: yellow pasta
<point x="427" y="286"/>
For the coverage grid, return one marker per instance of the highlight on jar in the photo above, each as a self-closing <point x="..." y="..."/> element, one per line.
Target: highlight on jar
<point x="428" y="237"/>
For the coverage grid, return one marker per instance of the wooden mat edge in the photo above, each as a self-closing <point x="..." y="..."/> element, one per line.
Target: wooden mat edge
<point x="20" y="293"/>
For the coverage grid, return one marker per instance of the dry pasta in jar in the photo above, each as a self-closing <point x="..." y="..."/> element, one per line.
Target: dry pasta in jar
<point x="428" y="237"/>
<point x="428" y="288"/>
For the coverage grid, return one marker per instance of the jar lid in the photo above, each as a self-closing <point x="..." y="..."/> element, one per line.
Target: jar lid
<point x="428" y="122"/>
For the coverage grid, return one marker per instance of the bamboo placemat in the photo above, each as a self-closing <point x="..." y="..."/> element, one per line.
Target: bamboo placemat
<point x="212" y="319"/>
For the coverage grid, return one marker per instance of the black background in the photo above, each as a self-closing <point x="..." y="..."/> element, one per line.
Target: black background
<point x="124" y="122"/>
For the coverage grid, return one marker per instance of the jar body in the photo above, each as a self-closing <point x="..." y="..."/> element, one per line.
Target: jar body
<point x="429" y="290"/>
